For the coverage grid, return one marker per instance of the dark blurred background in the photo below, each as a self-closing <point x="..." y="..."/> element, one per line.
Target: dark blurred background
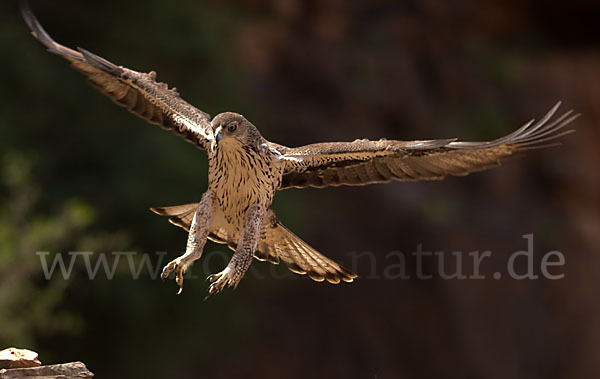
<point x="79" y="174"/>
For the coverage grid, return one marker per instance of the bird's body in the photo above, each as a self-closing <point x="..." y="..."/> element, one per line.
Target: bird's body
<point x="245" y="170"/>
<point x="240" y="176"/>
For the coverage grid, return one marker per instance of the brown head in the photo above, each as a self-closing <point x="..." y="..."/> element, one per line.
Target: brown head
<point x="233" y="129"/>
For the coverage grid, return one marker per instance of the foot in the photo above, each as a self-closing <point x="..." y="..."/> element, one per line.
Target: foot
<point x="179" y="266"/>
<point x="225" y="278"/>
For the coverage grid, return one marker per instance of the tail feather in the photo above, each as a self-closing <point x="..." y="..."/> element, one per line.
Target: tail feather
<point x="180" y="215"/>
<point x="277" y="243"/>
<point x="300" y="257"/>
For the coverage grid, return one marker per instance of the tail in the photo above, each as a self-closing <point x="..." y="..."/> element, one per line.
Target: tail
<point x="180" y="215"/>
<point x="277" y="243"/>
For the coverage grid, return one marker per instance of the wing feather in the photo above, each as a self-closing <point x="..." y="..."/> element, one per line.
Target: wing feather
<point x="363" y="161"/>
<point x="139" y="92"/>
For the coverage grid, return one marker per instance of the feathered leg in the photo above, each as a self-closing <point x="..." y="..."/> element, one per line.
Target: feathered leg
<point x="196" y="239"/>
<point x="239" y="263"/>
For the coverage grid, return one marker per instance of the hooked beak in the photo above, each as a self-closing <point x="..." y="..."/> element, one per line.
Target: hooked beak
<point x="218" y="134"/>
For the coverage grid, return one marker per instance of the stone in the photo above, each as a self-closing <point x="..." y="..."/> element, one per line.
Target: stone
<point x="18" y="358"/>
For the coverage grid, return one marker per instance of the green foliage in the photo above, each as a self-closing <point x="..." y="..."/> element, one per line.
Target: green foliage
<point x="31" y="305"/>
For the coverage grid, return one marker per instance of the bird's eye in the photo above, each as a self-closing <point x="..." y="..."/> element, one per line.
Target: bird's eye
<point x="232" y="127"/>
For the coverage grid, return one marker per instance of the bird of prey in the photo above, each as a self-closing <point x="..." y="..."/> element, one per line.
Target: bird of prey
<point x="245" y="170"/>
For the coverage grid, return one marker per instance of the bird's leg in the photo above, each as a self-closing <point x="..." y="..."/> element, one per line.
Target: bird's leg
<point x="239" y="263"/>
<point x="196" y="239"/>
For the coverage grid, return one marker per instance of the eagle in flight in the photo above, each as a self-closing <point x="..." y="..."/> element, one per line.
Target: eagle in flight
<point x="245" y="170"/>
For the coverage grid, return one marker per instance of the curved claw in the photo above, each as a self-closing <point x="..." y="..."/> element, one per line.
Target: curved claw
<point x="168" y="269"/>
<point x="213" y="278"/>
<point x="178" y="269"/>
<point x="219" y="281"/>
<point x="165" y="273"/>
<point x="212" y="290"/>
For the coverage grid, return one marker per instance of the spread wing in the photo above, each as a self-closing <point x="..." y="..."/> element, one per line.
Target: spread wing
<point x="139" y="92"/>
<point x="363" y="161"/>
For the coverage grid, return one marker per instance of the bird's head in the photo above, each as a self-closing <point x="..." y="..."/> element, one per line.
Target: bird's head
<point x="233" y="129"/>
